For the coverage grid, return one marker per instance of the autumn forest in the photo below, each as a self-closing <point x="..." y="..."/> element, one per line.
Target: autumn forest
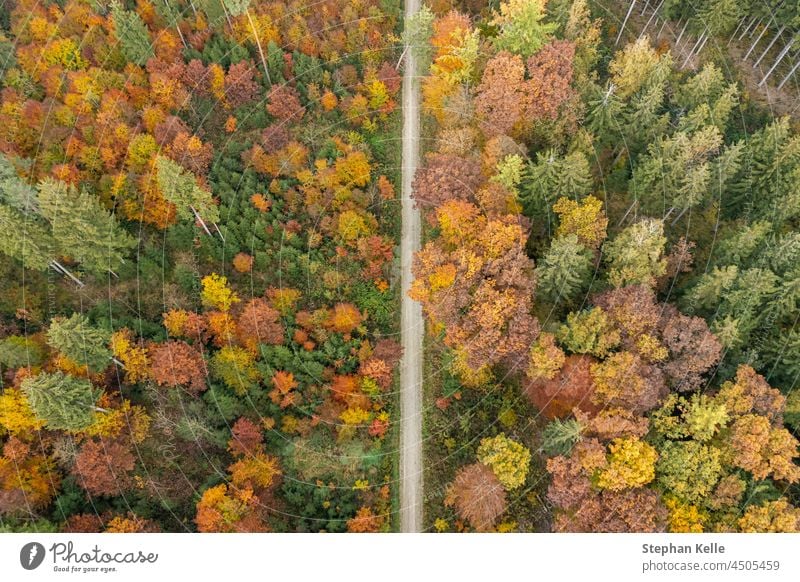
<point x="203" y="287"/>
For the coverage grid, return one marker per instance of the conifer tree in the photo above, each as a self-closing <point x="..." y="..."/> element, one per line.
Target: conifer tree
<point x="81" y="342"/>
<point x="63" y="402"/>
<point x="134" y="39"/>
<point x="82" y="228"/>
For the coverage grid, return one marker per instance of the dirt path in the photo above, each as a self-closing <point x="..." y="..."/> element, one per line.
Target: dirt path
<point x="411" y="312"/>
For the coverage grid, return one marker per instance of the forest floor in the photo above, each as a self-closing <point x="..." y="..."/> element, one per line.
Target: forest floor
<point x="412" y="326"/>
<point x="779" y="103"/>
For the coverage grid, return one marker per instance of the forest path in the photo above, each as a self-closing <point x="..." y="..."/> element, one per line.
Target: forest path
<point x="411" y="312"/>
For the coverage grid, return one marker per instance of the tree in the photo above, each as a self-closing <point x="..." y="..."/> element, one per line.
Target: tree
<point x="417" y="32"/>
<point x="132" y="33"/>
<point x="475" y="282"/>
<point x="246" y="438"/>
<point x="175" y="363"/>
<point x="63" y="402"/>
<point x="180" y="187"/>
<point x="631" y="464"/>
<point x="693" y="350"/>
<point x="226" y="508"/>
<point x="239" y="7"/>
<point x="589" y="332"/>
<point x="584" y="219"/>
<point x="18" y="352"/>
<point x="258" y="323"/>
<point x="508" y="459"/>
<point x="546" y="358"/>
<point x="478" y="496"/>
<point x="763" y="450"/>
<point x="502" y="94"/>
<point x="82" y="228"/>
<point x="217" y="294"/>
<point x="638" y="66"/>
<point x="554" y="177"/>
<point x="560" y="436"/>
<point x="676" y="173"/>
<point x="520" y="26"/>
<point x="773" y="516"/>
<point x="24" y="239"/>
<point x="104" y="467"/>
<point x="689" y="470"/>
<point x="565" y="270"/>
<point x="16" y="415"/>
<point x="570" y="388"/>
<point x="81" y="342"/>
<point x="235" y="367"/>
<point x="364" y="521"/>
<point x="446" y="177"/>
<point x="550" y="74"/>
<point x="623" y="380"/>
<point x="635" y="256"/>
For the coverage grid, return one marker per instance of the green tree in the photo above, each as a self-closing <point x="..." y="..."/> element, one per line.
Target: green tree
<point x="180" y="187"/>
<point x="635" y="256"/>
<point x="24" y="239"/>
<point x="134" y="39"/>
<point x="82" y="228"/>
<point x="17" y="351"/>
<point x="81" y="342"/>
<point x="560" y="436"/>
<point x="417" y="32"/>
<point x="688" y="469"/>
<point x="520" y="27"/>
<point x="565" y="270"/>
<point x="63" y="402"/>
<point x="552" y="177"/>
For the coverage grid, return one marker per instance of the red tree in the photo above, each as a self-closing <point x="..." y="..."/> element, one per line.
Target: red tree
<point x="176" y="363"/>
<point x="104" y="467"/>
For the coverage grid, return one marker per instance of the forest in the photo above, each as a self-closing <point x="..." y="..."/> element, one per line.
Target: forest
<point x="200" y="218"/>
<point x="609" y="275"/>
<point x="198" y="231"/>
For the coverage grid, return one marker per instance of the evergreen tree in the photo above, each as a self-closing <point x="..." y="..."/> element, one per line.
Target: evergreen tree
<point x="676" y="172"/>
<point x="82" y="343"/>
<point x="180" y="187"/>
<point x="63" y="402"/>
<point x="82" y="228"/>
<point x="565" y="270"/>
<point x="25" y="240"/>
<point x="14" y="192"/>
<point x="134" y="39"/>
<point x="559" y="436"/>
<point x="553" y="177"/>
<point x="417" y="33"/>
<point x="635" y="256"/>
<point x="520" y="27"/>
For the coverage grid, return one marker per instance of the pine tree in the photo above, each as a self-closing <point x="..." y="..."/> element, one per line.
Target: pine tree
<point x="635" y="256"/>
<point x="134" y="38"/>
<point x="553" y="177"/>
<point x="14" y="192"/>
<point x="559" y="436"/>
<point x="520" y="26"/>
<point x="565" y="270"/>
<point x="24" y="239"/>
<point x="180" y="187"/>
<point x="81" y="342"/>
<point x="63" y="402"/>
<point x="82" y="228"/>
<point x="676" y="173"/>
